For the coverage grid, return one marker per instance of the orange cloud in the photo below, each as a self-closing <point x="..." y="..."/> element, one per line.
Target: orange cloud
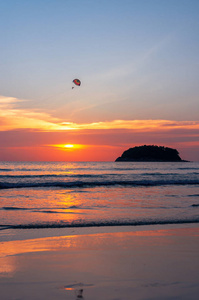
<point x="14" y="118"/>
<point x="18" y="118"/>
<point x="146" y="125"/>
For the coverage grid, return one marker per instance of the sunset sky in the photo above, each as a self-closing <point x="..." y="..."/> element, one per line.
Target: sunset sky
<point x="138" y="61"/>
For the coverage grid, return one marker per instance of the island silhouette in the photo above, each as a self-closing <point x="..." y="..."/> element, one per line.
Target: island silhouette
<point x="150" y="153"/>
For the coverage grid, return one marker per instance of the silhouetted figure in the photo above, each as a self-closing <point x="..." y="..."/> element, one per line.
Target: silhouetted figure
<point x="79" y="294"/>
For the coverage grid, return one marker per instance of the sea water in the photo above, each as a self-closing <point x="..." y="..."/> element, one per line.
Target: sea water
<point x="84" y="194"/>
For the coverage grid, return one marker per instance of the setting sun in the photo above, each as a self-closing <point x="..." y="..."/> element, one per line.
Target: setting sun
<point x="68" y="146"/>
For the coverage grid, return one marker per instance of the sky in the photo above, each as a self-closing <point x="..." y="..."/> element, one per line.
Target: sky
<point x="138" y="62"/>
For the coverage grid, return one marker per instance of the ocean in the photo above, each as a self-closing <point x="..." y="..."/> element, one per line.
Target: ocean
<point x="84" y="194"/>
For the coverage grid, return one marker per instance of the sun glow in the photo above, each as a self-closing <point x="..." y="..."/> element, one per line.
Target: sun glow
<point x="68" y="146"/>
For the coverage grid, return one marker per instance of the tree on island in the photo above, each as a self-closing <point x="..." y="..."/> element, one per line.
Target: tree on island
<point x="150" y="153"/>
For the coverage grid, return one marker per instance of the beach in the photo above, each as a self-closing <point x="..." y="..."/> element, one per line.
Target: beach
<point x="116" y="263"/>
<point x="99" y="231"/>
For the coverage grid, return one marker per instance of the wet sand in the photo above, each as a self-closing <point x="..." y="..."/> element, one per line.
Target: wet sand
<point x="119" y="263"/>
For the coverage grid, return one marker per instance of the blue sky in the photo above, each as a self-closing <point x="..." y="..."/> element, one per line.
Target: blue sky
<point x="129" y="50"/>
<point x="137" y="59"/>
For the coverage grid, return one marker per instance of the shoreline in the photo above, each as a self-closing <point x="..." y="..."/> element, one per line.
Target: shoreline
<point x="10" y="234"/>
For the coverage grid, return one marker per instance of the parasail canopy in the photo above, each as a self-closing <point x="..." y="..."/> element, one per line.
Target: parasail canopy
<point x="77" y="82"/>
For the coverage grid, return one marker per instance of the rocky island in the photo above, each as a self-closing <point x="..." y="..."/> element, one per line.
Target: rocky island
<point x="150" y="153"/>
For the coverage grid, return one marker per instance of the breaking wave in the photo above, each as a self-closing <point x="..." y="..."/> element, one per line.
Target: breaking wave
<point x="87" y="184"/>
<point x="100" y="224"/>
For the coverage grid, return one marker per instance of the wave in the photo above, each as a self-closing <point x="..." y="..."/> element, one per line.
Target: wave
<point x="90" y="175"/>
<point x="54" y="212"/>
<point x="55" y="175"/>
<point x="100" y="224"/>
<point x="90" y="184"/>
<point x="133" y="168"/>
<point x="51" y="209"/>
<point x="72" y="208"/>
<point x="189" y="168"/>
<point x="13" y="208"/>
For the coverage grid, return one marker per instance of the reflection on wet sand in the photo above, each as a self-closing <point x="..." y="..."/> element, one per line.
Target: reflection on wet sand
<point x="80" y="242"/>
<point x="7" y="266"/>
<point x="78" y="289"/>
<point x="115" y="265"/>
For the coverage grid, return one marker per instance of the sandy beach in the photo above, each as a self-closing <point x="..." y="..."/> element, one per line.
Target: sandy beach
<point x="143" y="262"/>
